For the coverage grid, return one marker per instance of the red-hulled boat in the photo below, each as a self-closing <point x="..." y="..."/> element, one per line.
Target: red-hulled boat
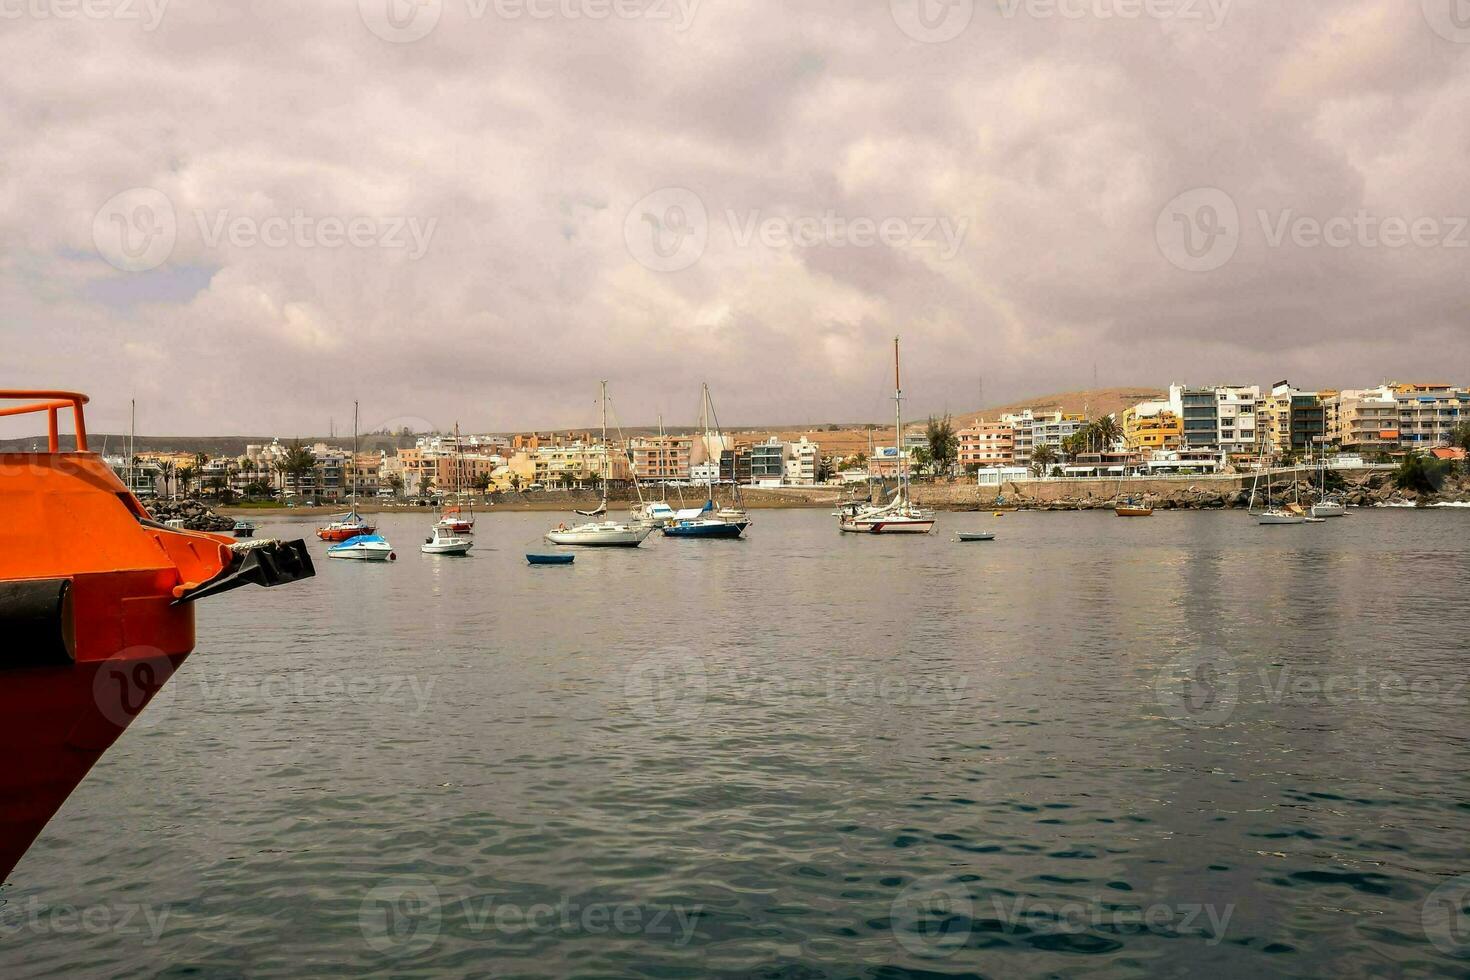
<point x="94" y="622"/>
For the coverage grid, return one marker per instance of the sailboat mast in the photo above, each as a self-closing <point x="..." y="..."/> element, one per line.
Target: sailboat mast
<point x="605" y="460"/>
<point x="132" y="439"/>
<point x="352" y="473"/>
<point x="902" y="460"/>
<point x="719" y="449"/>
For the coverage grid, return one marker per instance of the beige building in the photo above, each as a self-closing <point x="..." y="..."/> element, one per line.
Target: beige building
<point x="1367" y="419"/>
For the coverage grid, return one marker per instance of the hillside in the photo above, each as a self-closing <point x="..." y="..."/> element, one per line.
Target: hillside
<point x="843" y="440"/>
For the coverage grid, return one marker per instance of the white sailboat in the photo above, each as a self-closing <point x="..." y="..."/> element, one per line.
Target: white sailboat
<point x="656" y="513"/>
<point x="1272" y="514"/>
<point x="601" y="534"/>
<point x="1328" y="504"/>
<point x="451" y="519"/>
<point x="899" y="515"/>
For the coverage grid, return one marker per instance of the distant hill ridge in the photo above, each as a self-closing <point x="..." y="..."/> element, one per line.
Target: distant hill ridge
<point x="841" y="437"/>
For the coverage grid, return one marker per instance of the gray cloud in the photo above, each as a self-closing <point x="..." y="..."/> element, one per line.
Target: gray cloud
<point x="1058" y="141"/>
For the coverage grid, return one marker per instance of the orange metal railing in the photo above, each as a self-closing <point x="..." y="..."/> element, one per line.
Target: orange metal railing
<point x="52" y="401"/>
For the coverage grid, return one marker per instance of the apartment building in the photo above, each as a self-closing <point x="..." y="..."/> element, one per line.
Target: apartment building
<point x="658" y="458"/>
<point x="803" y="461"/>
<point x="768" y="461"/>
<point x="1367" y="420"/>
<point x="1429" y="413"/>
<point x="986" y="444"/>
<point x="1291" y="420"/>
<point x="1152" y="425"/>
<point x="1032" y="429"/>
<point x="1221" y="417"/>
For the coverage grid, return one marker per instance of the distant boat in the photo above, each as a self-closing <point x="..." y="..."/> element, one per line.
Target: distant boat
<point x="351" y="524"/>
<point x="244" y="529"/>
<point x="899" y="515"/>
<point x="364" y="547"/>
<point x="706" y="521"/>
<point x="1131" y="508"/>
<point x="550" y="559"/>
<point x="1272" y="515"/>
<point x="446" y="543"/>
<point x="976" y="535"/>
<point x="1328" y="504"/>
<point x="601" y="534"/>
<point x="452" y="519"/>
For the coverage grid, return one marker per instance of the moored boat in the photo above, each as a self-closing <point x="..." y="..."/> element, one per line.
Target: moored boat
<point x="243" y="529"/>
<point x="601" y="534"/>
<point x="364" y="547"/>
<point x="94" y="623"/>
<point x="976" y="535"/>
<point x="899" y="515"/>
<point x="443" y="542"/>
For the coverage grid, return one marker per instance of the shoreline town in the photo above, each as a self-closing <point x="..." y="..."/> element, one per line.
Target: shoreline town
<point x="1200" y="433"/>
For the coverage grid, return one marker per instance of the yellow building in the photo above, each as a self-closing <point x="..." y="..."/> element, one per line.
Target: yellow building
<point x="1151" y="425"/>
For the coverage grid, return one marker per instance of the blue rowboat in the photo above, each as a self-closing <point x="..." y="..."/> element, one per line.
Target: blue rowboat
<point x="550" y="559"/>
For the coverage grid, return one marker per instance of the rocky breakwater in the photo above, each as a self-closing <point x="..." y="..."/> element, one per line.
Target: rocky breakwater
<point x="195" y="515"/>
<point x="1357" y="488"/>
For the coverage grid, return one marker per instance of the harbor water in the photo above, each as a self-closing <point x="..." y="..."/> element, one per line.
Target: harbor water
<point x="1180" y="746"/>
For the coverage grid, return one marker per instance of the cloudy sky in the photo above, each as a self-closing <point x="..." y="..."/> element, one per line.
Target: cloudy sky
<point x="247" y="215"/>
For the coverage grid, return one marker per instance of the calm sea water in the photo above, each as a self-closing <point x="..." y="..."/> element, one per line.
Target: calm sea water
<point x="1185" y="746"/>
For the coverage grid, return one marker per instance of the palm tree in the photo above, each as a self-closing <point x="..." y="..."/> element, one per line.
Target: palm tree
<point x="185" y="474"/>
<point x="166" y="470"/>
<point x="1043" y="458"/>
<point x="297" y="462"/>
<point x="1105" y="433"/>
<point x="943" y="446"/>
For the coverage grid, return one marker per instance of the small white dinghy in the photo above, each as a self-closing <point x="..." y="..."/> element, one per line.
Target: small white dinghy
<point x="446" y="542"/>
<point x="976" y="535"/>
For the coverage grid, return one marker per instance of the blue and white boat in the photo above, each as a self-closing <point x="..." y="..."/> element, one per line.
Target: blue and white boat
<point x="364" y="547"/>
<point x="706" y="521"/>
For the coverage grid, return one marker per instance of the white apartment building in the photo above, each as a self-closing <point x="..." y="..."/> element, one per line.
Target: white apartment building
<point x="1034" y="429"/>
<point x="1429" y="413"/>
<point x="1217" y="416"/>
<point x="802" y="459"/>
